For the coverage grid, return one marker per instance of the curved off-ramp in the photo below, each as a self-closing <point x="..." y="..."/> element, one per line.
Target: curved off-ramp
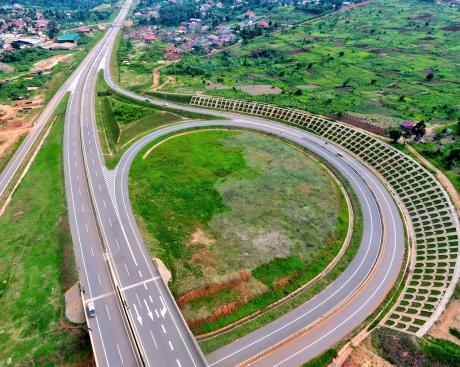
<point x="336" y="311"/>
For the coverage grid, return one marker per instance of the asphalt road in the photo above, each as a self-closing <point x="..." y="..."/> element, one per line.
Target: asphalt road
<point x="350" y="299"/>
<point x="161" y="334"/>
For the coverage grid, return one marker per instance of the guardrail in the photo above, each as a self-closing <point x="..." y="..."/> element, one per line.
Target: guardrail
<point x="430" y="215"/>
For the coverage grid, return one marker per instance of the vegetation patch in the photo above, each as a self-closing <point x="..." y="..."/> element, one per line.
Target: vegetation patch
<point x="121" y="120"/>
<point x="241" y="219"/>
<point x="403" y="349"/>
<point x="37" y="266"/>
<point x="360" y="61"/>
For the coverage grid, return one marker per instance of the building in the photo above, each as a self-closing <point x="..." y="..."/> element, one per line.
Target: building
<point x="172" y="53"/>
<point x="249" y="15"/>
<point x="85" y="30"/>
<point x="149" y="38"/>
<point x="68" y="38"/>
<point x="407" y="125"/>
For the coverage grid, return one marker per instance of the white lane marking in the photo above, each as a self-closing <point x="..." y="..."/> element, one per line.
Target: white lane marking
<point x="92" y="251"/>
<point x="119" y="354"/>
<point x="100" y="188"/>
<point x="148" y="310"/>
<point x="86" y="225"/>
<point x="170" y="345"/>
<point x="150" y="298"/>
<point x="99" y="279"/>
<point x="79" y="191"/>
<point x="156" y="312"/>
<point x="164" y="309"/>
<point x="140" y="274"/>
<point x="118" y="245"/>
<point x="108" y="314"/>
<point x="178" y="363"/>
<point x="138" y="301"/>
<point x="138" y="284"/>
<point x="138" y="317"/>
<point x="110" y="222"/>
<point x="105" y="205"/>
<point x="154" y="341"/>
<point x="82" y="209"/>
<point x="78" y="177"/>
<point x="163" y="328"/>
<point x="95" y="172"/>
<point x="127" y="271"/>
<point x="145" y="286"/>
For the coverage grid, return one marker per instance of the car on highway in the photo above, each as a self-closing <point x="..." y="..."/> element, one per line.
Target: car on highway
<point x="91" y="309"/>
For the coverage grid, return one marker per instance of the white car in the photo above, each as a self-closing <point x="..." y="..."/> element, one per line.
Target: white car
<point x="91" y="309"/>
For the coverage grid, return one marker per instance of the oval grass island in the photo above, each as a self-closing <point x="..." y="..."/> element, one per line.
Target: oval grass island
<point x="240" y="218"/>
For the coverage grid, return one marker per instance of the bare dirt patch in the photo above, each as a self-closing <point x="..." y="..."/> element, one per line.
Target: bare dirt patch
<point x="259" y="89"/>
<point x="217" y="86"/>
<point x="363" y="356"/>
<point x="200" y="237"/>
<point x="74" y="310"/>
<point x="450" y="318"/>
<point x="452" y="28"/>
<point x="15" y="121"/>
<point x="49" y="63"/>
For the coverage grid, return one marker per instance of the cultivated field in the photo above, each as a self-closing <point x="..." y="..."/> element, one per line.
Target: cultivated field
<point x="385" y="61"/>
<point x="240" y="219"/>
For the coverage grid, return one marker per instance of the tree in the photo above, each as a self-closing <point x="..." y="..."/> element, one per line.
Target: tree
<point x="53" y="29"/>
<point x="437" y="138"/>
<point x="419" y="130"/>
<point x="394" y="134"/>
<point x="407" y="135"/>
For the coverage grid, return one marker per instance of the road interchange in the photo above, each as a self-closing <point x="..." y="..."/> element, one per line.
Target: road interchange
<point x="137" y="318"/>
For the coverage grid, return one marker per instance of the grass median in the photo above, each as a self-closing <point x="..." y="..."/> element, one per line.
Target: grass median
<point x="37" y="265"/>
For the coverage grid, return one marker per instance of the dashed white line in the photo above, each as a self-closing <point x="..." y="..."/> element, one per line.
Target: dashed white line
<point x="100" y="188"/>
<point x="140" y="274"/>
<point x="138" y="301"/>
<point x="178" y="363"/>
<point x="156" y="312"/>
<point x="108" y="314"/>
<point x="119" y="353"/>
<point x="99" y="279"/>
<point x="86" y="225"/>
<point x="145" y="286"/>
<point x="127" y="271"/>
<point x="92" y="251"/>
<point x="154" y="341"/>
<point x="110" y="222"/>
<point x="82" y="209"/>
<point x="118" y="245"/>
<point x="170" y="345"/>
<point x="105" y="205"/>
<point x="150" y="298"/>
<point x="163" y="328"/>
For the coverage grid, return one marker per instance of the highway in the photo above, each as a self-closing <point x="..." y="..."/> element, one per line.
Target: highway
<point x="137" y="321"/>
<point x="147" y="318"/>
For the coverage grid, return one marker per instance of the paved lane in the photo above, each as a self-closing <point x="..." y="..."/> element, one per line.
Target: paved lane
<point x="324" y="330"/>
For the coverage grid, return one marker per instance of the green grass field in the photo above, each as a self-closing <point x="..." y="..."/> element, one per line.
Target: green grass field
<point x="218" y="204"/>
<point x="37" y="266"/>
<point x="384" y="61"/>
<point x="122" y="120"/>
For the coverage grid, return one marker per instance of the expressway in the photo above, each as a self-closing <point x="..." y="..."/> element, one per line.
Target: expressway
<point x="137" y="321"/>
<point x="134" y="309"/>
